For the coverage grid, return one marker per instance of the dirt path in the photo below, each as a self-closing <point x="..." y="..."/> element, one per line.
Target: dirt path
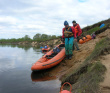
<point x="105" y="86"/>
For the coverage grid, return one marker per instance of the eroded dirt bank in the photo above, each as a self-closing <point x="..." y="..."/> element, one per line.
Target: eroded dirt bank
<point x="105" y="85"/>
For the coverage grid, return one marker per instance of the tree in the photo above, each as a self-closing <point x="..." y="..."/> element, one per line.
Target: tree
<point x="26" y="37"/>
<point x="53" y="36"/>
<point x="37" y="36"/>
<point x="44" y="36"/>
<point x="49" y="36"/>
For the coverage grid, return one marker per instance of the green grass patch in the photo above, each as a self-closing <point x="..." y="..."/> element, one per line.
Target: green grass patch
<point x="90" y="31"/>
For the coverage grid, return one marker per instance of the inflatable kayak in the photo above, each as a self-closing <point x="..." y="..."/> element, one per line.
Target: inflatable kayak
<point x="85" y="39"/>
<point x="50" y="59"/>
<point x="45" y="50"/>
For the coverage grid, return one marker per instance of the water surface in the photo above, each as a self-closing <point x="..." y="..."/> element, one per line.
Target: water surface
<point x="16" y="75"/>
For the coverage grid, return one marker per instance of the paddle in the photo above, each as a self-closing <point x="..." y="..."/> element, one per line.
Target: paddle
<point x="41" y="47"/>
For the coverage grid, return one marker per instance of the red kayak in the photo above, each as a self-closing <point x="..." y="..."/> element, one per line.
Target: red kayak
<point x="49" y="59"/>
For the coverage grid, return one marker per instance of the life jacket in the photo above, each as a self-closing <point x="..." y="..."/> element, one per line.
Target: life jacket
<point x="76" y="29"/>
<point x="68" y="33"/>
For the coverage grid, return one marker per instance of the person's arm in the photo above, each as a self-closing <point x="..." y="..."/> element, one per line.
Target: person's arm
<point x="63" y="33"/>
<point x="63" y="37"/>
<point x="79" y="30"/>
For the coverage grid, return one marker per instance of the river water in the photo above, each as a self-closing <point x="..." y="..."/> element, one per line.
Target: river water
<point x="16" y="75"/>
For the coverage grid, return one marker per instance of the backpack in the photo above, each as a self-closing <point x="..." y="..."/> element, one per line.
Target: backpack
<point x="56" y="50"/>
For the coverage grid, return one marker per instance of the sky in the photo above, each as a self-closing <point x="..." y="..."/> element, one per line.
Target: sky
<point x="29" y="17"/>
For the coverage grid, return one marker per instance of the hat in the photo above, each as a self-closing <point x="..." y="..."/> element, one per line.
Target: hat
<point x="66" y="23"/>
<point x="73" y="21"/>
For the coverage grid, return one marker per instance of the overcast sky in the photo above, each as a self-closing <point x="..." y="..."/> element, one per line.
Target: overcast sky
<point x="29" y="17"/>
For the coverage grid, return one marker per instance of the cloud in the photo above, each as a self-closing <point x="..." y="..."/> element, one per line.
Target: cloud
<point x="9" y="20"/>
<point x="82" y="0"/>
<point x="47" y="16"/>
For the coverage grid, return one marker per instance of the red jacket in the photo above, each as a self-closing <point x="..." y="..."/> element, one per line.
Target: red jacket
<point x="73" y="30"/>
<point x="77" y="30"/>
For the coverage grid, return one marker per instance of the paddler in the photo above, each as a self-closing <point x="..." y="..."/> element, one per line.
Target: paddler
<point x="69" y="34"/>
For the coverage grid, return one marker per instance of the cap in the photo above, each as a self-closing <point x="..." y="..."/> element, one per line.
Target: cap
<point x="66" y="23"/>
<point x="73" y="21"/>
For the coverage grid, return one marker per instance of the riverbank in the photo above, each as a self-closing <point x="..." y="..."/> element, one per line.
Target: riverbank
<point x="51" y="43"/>
<point x="85" y="71"/>
<point x="87" y="76"/>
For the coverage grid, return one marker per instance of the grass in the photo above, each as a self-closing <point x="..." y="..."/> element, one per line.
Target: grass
<point x="95" y="26"/>
<point x="100" y="47"/>
<point x="90" y="31"/>
<point x="86" y="78"/>
<point x="89" y="81"/>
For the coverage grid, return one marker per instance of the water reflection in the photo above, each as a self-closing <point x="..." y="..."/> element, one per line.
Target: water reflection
<point x="25" y="47"/>
<point x="41" y="76"/>
<point x="4" y="45"/>
<point x="37" y="49"/>
<point x="16" y="75"/>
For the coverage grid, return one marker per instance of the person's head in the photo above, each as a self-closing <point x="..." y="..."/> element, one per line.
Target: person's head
<point x="45" y="47"/>
<point x="74" y="22"/>
<point x="66" y="24"/>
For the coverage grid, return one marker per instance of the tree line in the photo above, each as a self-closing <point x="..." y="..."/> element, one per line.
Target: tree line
<point x="38" y="37"/>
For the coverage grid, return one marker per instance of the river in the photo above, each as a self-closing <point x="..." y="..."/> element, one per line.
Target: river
<point x="16" y="75"/>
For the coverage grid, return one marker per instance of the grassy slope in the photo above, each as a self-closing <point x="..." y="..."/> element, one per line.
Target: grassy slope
<point x="88" y="75"/>
<point x="94" y="29"/>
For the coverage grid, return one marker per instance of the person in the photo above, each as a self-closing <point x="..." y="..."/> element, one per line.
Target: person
<point x="69" y="34"/>
<point x="45" y="47"/>
<point x="93" y="35"/>
<point x="78" y="34"/>
<point x="62" y="40"/>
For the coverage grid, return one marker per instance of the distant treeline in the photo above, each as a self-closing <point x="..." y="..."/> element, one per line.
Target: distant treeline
<point x="38" y="37"/>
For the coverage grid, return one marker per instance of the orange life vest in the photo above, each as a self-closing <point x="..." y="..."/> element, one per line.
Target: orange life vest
<point x="76" y="29"/>
<point x="67" y="33"/>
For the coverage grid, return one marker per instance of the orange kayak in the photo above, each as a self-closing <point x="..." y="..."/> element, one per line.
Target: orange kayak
<point x="85" y="39"/>
<point x="49" y="60"/>
<point x="45" y="50"/>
